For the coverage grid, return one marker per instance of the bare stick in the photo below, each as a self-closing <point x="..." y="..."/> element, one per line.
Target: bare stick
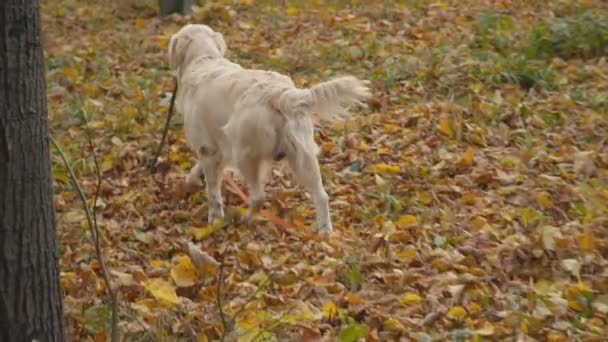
<point x="153" y="165"/>
<point x="95" y="234"/>
<point x="219" y="297"/>
<point x="253" y="295"/>
<point x="111" y="290"/>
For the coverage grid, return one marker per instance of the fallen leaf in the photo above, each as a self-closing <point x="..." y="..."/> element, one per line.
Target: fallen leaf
<point x="162" y="291"/>
<point x="468" y="158"/>
<point x="410" y="299"/>
<point x="457" y="313"/>
<point x="385" y="169"/>
<point x="573" y="266"/>
<point x="183" y="272"/>
<point x="445" y="127"/>
<point x="406" y="221"/>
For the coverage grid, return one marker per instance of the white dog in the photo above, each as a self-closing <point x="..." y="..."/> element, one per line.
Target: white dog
<point x="246" y="119"/>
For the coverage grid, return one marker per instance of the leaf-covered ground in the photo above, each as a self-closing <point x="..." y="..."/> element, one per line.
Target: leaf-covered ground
<point x="470" y="201"/>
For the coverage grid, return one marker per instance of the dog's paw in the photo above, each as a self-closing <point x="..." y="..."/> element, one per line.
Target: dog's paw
<point x="325" y="229"/>
<point x="215" y="215"/>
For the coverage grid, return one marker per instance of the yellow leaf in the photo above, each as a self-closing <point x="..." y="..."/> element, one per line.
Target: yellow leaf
<point x="400" y="236"/>
<point x="354" y="299"/>
<point x="544" y="200"/>
<point x="162" y="291"/>
<point x="163" y="41"/>
<point x="202" y="337"/>
<point x="467" y="158"/>
<point x="440" y="4"/>
<point x="383" y="168"/>
<point x="407" y="255"/>
<point x="384" y="150"/>
<point x="201" y="233"/>
<point x="251" y="319"/>
<point x="107" y="163"/>
<point x="146" y="305"/>
<point x="425" y="198"/>
<point x="479" y="222"/>
<point x="530" y="325"/>
<point x="556" y="336"/>
<point x="72" y="74"/>
<point x="410" y="299"/>
<point x="475" y="308"/>
<point x="183" y="272"/>
<point x="140" y="23"/>
<point x="291" y="11"/>
<point x="394" y="325"/>
<point x="469" y="198"/>
<point x="576" y="296"/>
<point x="406" y="220"/>
<point x="587" y="241"/>
<point x="89" y="89"/>
<point x="445" y="127"/>
<point x="130" y="112"/>
<point x="486" y="330"/>
<point x="363" y="147"/>
<point x="476" y="271"/>
<point x="330" y="310"/>
<point x="158" y="263"/>
<point x="391" y="128"/>
<point x="457" y="313"/>
<point x="440" y="265"/>
<point x="528" y="215"/>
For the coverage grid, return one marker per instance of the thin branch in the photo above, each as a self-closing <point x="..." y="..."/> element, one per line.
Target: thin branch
<point x="218" y="298"/>
<point x="253" y="295"/>
<point x="95" y="234"/>
<point x="153" y="165"/>
<point x="113" y="293"/>
<point x="97" y="170"/>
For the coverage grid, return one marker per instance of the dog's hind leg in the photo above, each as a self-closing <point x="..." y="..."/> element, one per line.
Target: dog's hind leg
<point x="306" y="170"/>
<point x="213" y="168"/>
<point x="252" y="171"/>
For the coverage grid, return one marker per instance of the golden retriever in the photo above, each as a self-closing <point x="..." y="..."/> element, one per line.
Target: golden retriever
<point x="246" y="119"/>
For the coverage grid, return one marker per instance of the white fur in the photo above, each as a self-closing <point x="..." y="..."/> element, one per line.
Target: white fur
<point x="244" y="119"/>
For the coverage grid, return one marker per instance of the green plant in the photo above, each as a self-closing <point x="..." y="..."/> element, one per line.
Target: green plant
<point x="352" y="276"/>
<point x="583" y="35"/>
<point x="494" y="32"/>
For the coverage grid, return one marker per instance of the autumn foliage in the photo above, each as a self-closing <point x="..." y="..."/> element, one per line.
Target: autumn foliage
<point x="470" y="200"/>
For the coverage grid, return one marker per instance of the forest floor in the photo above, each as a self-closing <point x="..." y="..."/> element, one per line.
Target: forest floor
<point x="470" y="199"/>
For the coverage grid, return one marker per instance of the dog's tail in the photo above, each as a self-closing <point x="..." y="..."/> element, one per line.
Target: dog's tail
<point x="330" y="99"/>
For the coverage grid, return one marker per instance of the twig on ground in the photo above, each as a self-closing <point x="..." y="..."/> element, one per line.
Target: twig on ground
<point x="154" y="161"/>
<point x="92" y="221"/>
<point x="111" y="289"/>
<point x="253" y="295"/>
<point x="218" y="298"/>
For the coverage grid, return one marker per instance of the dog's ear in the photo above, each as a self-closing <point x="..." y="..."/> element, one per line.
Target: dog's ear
<point x="177" y="50"/>
<point x="172" y="51"/>
<point x="220" y="42"/>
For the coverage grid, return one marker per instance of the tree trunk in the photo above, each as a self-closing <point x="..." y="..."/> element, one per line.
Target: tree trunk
<point x="30" y="295"/>
<point x="175" y="6"/>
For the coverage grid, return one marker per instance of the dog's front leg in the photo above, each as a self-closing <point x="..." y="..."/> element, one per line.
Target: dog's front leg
<point x="251" y="169"/>
<point x="255" y="202"/>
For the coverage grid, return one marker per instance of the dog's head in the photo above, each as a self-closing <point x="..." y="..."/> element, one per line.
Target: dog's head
<point x="193" y="41"/>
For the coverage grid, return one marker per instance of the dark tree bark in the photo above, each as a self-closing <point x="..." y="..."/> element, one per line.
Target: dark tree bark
<point x="175" y="6"/>
<point x="30" y="295"/>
